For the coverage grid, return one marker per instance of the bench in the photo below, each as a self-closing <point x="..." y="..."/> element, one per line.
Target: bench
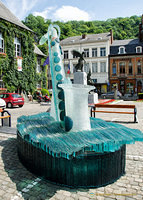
<point x="94" y="109"/>
<point x="5" y="114"/>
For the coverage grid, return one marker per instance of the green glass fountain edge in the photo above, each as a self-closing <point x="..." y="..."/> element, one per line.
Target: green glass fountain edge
<point x="44" y="132"/>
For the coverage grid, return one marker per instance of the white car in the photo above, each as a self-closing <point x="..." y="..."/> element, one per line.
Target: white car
<point x="2" y="103"/>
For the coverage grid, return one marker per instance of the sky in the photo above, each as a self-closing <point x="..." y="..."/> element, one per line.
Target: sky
<point x="66" y="10"/>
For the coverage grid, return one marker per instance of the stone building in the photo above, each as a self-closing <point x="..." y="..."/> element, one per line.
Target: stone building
<point x="19" y="57"/>
<point x="126" y="64"/>
<point x="96" y="49"/>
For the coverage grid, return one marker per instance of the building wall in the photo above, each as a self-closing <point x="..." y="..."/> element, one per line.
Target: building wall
<point x="98" y="77"/>
<point x="126" y="82"/>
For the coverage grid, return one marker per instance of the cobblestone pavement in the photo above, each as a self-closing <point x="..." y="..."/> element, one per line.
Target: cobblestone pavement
<point x="17" y="183"/>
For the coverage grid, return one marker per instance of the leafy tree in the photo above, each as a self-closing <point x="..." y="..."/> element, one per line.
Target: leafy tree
<point x="123" y="28"/>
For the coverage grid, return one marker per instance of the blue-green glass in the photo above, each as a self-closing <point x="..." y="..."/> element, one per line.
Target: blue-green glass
<point x="103" y="136"/>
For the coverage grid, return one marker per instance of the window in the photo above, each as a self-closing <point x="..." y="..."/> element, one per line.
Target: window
<point x="39" y="85"/>
<point x="86" y="53"/>
<point x="138" y="49"/>
<point x="122" y="50"/>
<point x="139" y="67"/>
<point x="66" y="68"/>
<point x="130" y="88"/>
<point x="103" y="67"/>
<point x="38" y="65"/>
<point x="1" y="43"/>
<point x="94" y="67"/>
<point x="16" y="96"/>
<point x="122" y="67"/>
<point x="2" y="85"/>
<point x="74" y="69"/>
<point x="86" y="67"/>
<point x="66" y="54"/>
<point x="130" y="68"/>
<point x="17" y="47"/>
<point x="74" y="56"/>
<point x="103" y="51"/>
<point x="114" y="68"/>
<point x="94" y="52"/>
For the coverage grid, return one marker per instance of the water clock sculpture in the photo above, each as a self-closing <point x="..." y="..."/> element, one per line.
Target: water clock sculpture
<point x="66" y="146"/>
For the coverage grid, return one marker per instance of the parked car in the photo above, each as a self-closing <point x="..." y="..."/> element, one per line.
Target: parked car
<point x="12" y="99"/>
<point x="2" y="103"/>
<point x="110" y="95"/>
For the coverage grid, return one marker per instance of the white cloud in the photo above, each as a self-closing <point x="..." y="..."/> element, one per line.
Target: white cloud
<point x="47" y="13"/>
<point x="20" y="8"/>
<point x="65" y="13"/>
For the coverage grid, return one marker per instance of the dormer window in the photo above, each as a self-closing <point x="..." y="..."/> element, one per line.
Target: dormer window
<point x="139" y="49"/>
<point x="1" y="43"/>
<point x="122" y="50"/>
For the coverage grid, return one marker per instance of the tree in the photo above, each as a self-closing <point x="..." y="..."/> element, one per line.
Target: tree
<point x="123" y="28"/>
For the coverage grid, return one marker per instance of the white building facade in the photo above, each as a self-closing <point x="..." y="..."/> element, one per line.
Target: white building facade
<point x="96" y="49"/>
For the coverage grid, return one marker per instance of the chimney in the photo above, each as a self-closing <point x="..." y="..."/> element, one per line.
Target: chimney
<point x="111" y="33"/>
<point x="141" y="30"/>
<point x="83" y="36"/>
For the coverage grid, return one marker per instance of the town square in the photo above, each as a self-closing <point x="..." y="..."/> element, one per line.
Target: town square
<point x="71" y="100"/>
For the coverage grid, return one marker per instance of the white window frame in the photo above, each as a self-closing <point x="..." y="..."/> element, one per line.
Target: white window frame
<point x="122" y="52"/>
<point x="102" y="51"/>
<point x="94" y="52"/>
<point x="86" y="53"/>
<point x="139" y="48"/>
<point x="1" y="43"/>
<point x="17" y="47"/>
<point x="86" y="67"/>
<point x="95" y="67"/>
<point x="38" y="65"/>
<point x="103" y="67"/>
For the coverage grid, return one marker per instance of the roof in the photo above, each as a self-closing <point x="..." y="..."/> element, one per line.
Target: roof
<point x="88" y="38"/>
<point x="38" y="51"/>
<point x="130" y="46"/>
<point x="7" y="15"/>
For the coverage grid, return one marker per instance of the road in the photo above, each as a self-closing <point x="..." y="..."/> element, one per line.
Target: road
<point x="30" y="108"/>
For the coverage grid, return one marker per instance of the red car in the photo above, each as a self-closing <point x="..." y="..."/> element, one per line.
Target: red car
<point x="12" y="99"/>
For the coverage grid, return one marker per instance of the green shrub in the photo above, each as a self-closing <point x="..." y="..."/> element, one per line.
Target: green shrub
<point x="45" y="91"/>
<point x="11" y="88"/>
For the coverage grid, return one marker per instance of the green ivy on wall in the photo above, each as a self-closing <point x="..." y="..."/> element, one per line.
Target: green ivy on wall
<point x="13" y="79"/>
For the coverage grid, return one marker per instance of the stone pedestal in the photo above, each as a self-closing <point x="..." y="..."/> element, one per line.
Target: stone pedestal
<point x="80" y="78"/>
<point x="93" y="98"/>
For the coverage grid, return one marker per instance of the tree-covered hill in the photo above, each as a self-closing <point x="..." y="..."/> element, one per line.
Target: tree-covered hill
<point x="123" y="28"/>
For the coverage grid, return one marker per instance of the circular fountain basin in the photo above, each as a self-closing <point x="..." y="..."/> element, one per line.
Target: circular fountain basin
<point x="88" y="169"/>
<point x="91" y="158"/>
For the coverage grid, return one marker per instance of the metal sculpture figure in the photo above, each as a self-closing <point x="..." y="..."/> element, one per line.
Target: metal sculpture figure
<point x="81" y="60"/>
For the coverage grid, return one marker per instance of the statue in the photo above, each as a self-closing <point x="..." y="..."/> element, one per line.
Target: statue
<point x="81" y="60"/>
<point x="89" y="80"/>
